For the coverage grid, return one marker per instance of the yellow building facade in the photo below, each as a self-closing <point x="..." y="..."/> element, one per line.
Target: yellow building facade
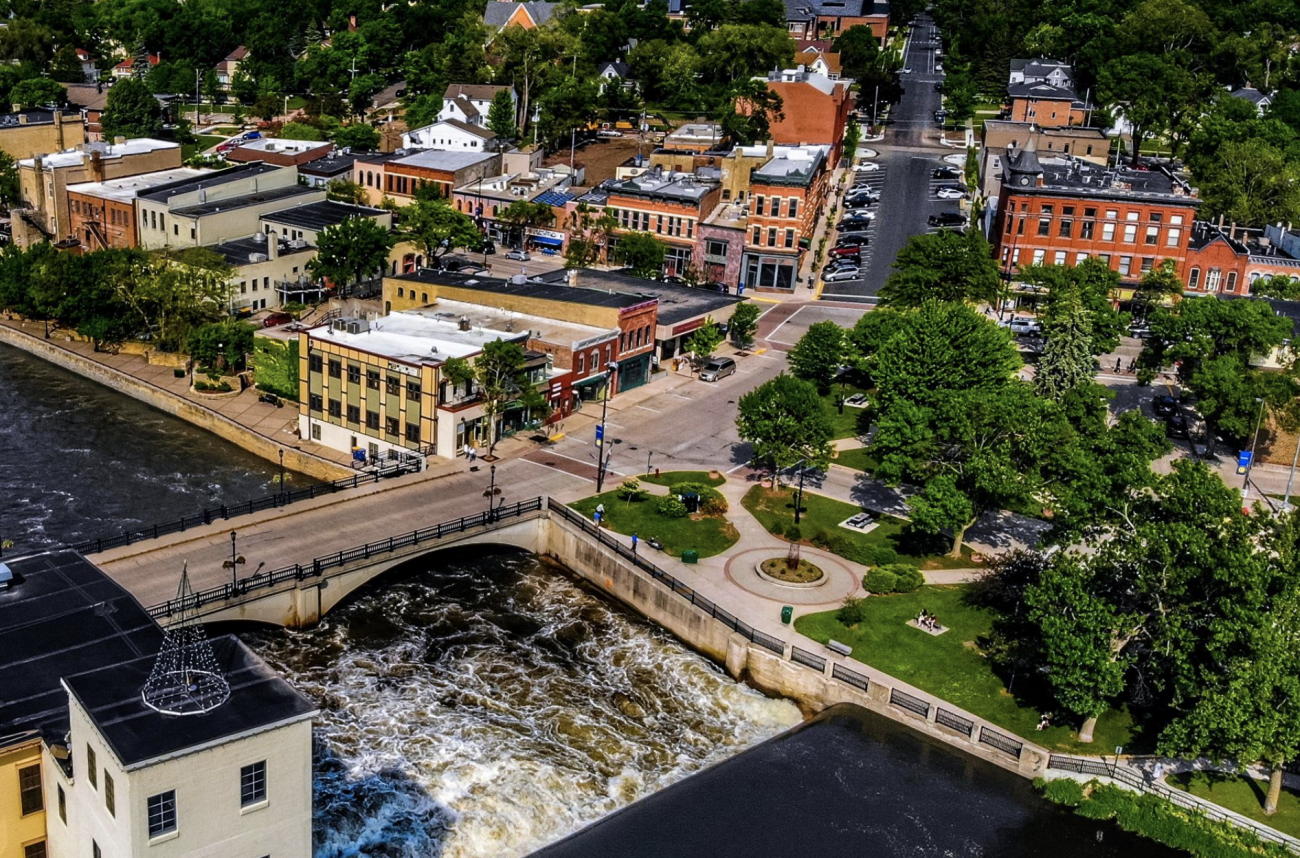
<point x="22" y="800"/>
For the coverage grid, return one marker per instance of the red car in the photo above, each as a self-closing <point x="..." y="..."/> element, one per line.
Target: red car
<point x="847" y="250"/>
<point x="275" y="319"/>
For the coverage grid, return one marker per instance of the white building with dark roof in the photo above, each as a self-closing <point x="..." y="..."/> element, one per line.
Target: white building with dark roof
<point x="470" y="102"/>
<point x="449" y="134"/>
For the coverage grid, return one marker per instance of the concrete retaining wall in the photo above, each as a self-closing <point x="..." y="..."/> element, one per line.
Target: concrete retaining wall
<point x="190" y="412"/>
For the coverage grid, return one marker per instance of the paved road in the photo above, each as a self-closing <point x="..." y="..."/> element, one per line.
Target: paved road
<point x="905" y="181"/>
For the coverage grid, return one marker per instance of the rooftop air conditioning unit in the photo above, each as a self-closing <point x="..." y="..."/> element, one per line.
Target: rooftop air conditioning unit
<point x="298" y="243"/>
<point x="257" y="257"/>
<point x="357" y="326"/>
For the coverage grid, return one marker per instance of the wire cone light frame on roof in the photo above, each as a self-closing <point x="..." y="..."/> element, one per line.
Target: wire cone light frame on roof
<point x="185" y="679"/>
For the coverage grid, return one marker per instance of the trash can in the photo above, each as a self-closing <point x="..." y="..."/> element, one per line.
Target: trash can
<point x="690" y="555"/>
<point x="787" y="614"/>
<point x="692" y="501"/>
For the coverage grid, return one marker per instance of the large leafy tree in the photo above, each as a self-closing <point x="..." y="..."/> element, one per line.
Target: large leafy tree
<point x="743" y="326"/>
<point x="642" y="253"/>
<point x="350" y="251"/>
<point x="1252" y="182"/>
<point x="38" y="92"/>
<point x="435" y="227"/>
<point x="747" y="111"/>
<point x="1067" y="361"/>
<point x="1089" y="287"/>
<point x="500" y="376"/>
<point x="735" y="52"/>
<point x="131" y="111"/>
<point x="783" y="421"/>
<point x="819" y="354"/>
<point x="943" y="266"/>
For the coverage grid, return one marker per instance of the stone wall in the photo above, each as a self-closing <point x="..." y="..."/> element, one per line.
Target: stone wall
<point x="204" y="418"/>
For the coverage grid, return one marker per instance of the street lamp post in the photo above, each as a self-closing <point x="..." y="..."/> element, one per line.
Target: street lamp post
<point x="650" y="453"/>
<point x="492" y="493"/>
<point x="1245" y="480"/>
<point x="233" y="564"/>
<point x="282" y="475"/>
<point x="1286" y="500"/>
<point x="798" y="501"/>
<point x="600" y="430"/>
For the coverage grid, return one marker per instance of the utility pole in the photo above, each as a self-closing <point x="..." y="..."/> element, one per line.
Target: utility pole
<point x="798" y="501"/>
<point x="1286" y="500"/>
<point x="1245" y="480"/>
<point x="601" y="460"/>
<point x="198" y="76"/>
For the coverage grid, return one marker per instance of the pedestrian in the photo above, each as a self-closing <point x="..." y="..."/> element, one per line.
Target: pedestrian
<point x="1117" y="364"/>
<point x="467" y="451"/>
<point x="634" y="542"/>
<point x="600" y="509"/>
<point x="473" y="454"/>
<point x="596" y="518"/>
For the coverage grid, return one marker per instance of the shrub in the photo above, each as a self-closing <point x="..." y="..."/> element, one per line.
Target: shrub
<point x="879" y="555"/>
<point x="1064" y="791"/>
<point x="671" y="507"/>
<point x="630" y="490"/>
<point x="821" y="539"/>
<point x="711" y="500"/>
<point x="218" y="387"/>
<point x="776" y="528"/>
<point x="793" y="533"/>
<point x="880" y="581"/>
<point x="850" y="613"/>
<point x="909" y="577"/>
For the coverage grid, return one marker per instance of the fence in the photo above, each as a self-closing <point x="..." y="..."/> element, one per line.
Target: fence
<point x="903" y="700"/>
<point x="1135" y="781"/>
<point x="1003" y="743"/>
<point x="317" y="567"/>
<point x="953" y="721"/>
<point x="850" y="677"/>
<point x="223" y="512"/>
<point x="807" y="659"/>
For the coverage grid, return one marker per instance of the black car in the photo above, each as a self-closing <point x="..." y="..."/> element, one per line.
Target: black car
<point x="947" y="219"/>
<point x="851" y="238"/>
<point x="853" y="201"/>
<point x="947" y="173"/>
<point x="1176" y="425"/>
<point x="488" y="248"/>
<point x="1165" y="405"/>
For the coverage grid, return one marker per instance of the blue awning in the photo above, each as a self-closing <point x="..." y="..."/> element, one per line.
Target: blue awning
<point x="546" y="241"/>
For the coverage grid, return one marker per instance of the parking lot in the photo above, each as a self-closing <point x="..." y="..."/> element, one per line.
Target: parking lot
<point x="792" y="329"/>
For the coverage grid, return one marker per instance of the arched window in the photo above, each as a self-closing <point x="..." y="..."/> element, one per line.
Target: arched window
<point x="1194" y="278"/>
<point x="1232" y="282"/>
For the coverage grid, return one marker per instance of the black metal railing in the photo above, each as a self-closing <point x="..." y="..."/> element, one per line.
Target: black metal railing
<point x="227" y="511"/>
<point x="807" y="659"/>
<point x="683" y="590"/>
<point x="953" y="721"/>
<point x="850" y="677"/>
<point x="903" y="700"/>
<point x="1080" y="765"/>
<point x="1003" y="743"/>
<point x="318" y="566"/>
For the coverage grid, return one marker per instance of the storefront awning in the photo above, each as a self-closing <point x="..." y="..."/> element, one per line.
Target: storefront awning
<point x="546" y="241"/>
<point x="591" y="379"/>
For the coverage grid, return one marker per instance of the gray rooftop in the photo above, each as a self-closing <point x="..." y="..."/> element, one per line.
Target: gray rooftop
<point x="237" y="251"/>
<point x="658" y="184"/>
<point x="498" y="12"/>
<point x="244" y="200"/>
<point x="321" y="214"/>
<point x="676" y="303"/>
<point x="336" y="163"/>
<point x="163" y="193"/>
<point x="544" y="290"/>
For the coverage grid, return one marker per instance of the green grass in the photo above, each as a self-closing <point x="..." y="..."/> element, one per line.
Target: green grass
<point x="951" y="665"/>
<point x="672" y="478"/>
<point x="228" y="130"/>
<point x="1242" y="794"/>
<point x="823" y="513"/>
<point x="204" y="141"/>
<point x="843" y="425"/>
<point x="709" y="536"/>
<point x="859" y="459"/>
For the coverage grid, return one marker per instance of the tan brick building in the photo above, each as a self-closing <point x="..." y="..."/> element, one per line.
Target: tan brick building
<point x="102" y="214"/>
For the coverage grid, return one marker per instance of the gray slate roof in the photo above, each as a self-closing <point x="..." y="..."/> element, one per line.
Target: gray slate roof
<point x="498" y="12"/>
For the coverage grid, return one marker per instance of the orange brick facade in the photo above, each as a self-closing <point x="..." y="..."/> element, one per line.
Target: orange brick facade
<point x="674" y="222"/>
<point x="1047" y="112"/>
<point x="780" y="216"/>
<point x="1228" y="267"/>
<point x="811" y="116"/>
<point x="99" y="223"/>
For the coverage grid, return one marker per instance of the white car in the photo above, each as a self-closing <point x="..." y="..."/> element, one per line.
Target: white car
<point x="866" y="167"/>
<point x="518" y="255"/>
<point x="949" y="194"/>
<point x="609" y="132"/>
<point x="865" y="214"/>
<point x="907" y="70"/>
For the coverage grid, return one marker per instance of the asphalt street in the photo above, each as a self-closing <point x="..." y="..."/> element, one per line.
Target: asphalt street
<point x="905" y="181"/>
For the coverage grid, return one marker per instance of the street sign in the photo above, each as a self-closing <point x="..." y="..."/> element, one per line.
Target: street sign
<point x="1243" y="460"/>
<point x="600" y="434"/>
<point x="740" y="288"/>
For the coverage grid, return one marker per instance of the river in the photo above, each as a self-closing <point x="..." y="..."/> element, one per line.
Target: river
<point x="80" y="460"/>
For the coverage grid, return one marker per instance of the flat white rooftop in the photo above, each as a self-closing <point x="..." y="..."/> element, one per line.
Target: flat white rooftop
<point x="81" y="154"/>
<point x="416" y="339"/>
<point x="125" y="190"/>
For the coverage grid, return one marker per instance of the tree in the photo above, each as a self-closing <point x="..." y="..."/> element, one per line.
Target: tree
<point x="436" y="227"/>
<point x="38" y="92"/>
<point x="350" y="251"/>
<point x="221" y="345"/>
<point x="10" y="192"/>
<point x="1197" y="329"/>
<point x="1067" y="361"/>
<point x="358" y="137"/>
<point x="501" y="116"/>
<point x="737" y="52"/>
<point x="1091" y="286"/>
<point x="501" y="377"/>
<point x="747" y="111"/>
<point x="521" y="214"/>
<point x="301" y="131"/>
<point x="819" y="354"/>
<point x="347" y="191"/>
<point x="66" y="66"/>
<point x="1279" y="286"/>
<point x="131" y="111"/>
<point x="1253" y="183"/>
<point x="704" y="341"/>
<point x="173" y="295"/>
<point x="642" y="253"/>
<point x="743" y="326"/>
<point x="943" y="266"/>
<point x="859" y="51"/>
<point x="784" y="422"/>
<point x="590" y="231"/>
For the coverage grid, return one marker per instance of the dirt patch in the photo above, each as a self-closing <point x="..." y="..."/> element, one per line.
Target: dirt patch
<point x="601" y="157"/>
<point x="804" y="573"/>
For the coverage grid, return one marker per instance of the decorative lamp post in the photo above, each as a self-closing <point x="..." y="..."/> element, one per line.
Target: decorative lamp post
<point x="601" y="459"/>
<point x="233" y="564"/>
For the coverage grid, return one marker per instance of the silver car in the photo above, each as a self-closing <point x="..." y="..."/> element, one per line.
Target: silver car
<point x="716" y="369"/>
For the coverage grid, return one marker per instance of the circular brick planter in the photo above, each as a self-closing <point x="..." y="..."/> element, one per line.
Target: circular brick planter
<point x="758" y="567"/>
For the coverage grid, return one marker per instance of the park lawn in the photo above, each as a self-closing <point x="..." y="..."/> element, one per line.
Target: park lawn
<point x="708" y="535"/>
<point x="672" y="478"/>
<point x="859" y="459"/>
<point x="951" y="665"/>
<point x="823" y="513"/>
<point x="202" y="142"/>
<point x="843" y="425"/>
<point x="1242" y="794"/>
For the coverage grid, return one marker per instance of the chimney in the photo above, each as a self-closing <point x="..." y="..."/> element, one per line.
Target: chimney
<point x="771" y="147"/>
<point x="22" y="117"/>
<point x="58" y="130"/>
<point x="573" y="277"/>
<point x="96" y="166"/>
<point x="272" y="245"/>
<point x="119" y="140"/>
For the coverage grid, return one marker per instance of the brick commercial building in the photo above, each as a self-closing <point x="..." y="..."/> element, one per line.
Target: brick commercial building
<point x="1001" y="136"/>
<point x="28" y="133"/>
<point x="668" y="205"/>
<point x="281" y="153"/>
<point x="399" y="175"/>
<point x="826" y="19"/>
<point x="1059" y="211"/>
<point x="815" y="110"/>
<point x="44" y="180"/>
<point x="102" y="214"/>
<point x="1042" y="91"/>
<point x="786" y="196"/>
<point x="1228" y="260"/>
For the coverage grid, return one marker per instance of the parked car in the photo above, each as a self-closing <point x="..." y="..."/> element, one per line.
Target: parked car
<point x="838" y="262"/>
<point x="850" y="223"/>
<point x="276" y="319"/>
<point x="906" y="70"/>
<point x="1165" y="405"/>
<point x="947" y="172"/>
<point x="864" y="214"/>
<point x="1176" y="425"/>
<point x="850" y="273"/>
<point x="487" y="247"/>
<point x="609" y="132"/>
<point x="1140" y="330"/>
<point x="866" y="167"/>
<point x="860" y="198"/>
<point x="949" y="194"/>
<point x="1023" y="326"/>
<point x="947" y="219"/>
<point x="718" y="368"/>
<point x="853" y="250"/>
<point x="518" y="255"/>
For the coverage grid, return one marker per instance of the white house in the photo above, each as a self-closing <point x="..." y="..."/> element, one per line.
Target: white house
<point x="449" y="134"/>
<point x="470" y="102"/>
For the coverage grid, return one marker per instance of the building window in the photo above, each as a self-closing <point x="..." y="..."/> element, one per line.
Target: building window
<point x="776" y="206"/>
<point x="315" y="402"/>
<point x="110" y="794"/>
<point x="1039" y="255"/>
<point x="391" y="426"/>
<point x="1231" y="285"/>
<point x="758" y="205"/>
<point x="252" y="784"/>
<point x="162" y="813"/>
<point x="315" y="431"/>
<point x="1125" y="264"/>
<point x="1108" y="232"/>
<point x="413" y="390"/>
<point x="34" y="850"/>
<point x="92" y="767"/>
<point x="1130" y="233"/>
<point x="336" y="409"/>
<point x="771" y="236"/>
<point x="1079" y="258"/>
<point x="1059" y="258"/>
<point x="29" y="789"/>
<point x="1147" y="263"/>
<point x="336" y="369"/>
<point x="354" y="374"/>
<point x="372" y="420"/>
<point x="413" y="432"/>
<point x="757" y="234"/>
<point x="1173" y="236"/>
<point x="1045" y="221"/>
<point x="1212" y="278"/>
<point x="354" y="414"/>
<point x="393" y="385"/>
<point x="314" y="363"/>
<point x="1153" y="235"/>
<point x="789" y="238"/>
<point x="372" y="379"/>
<point x="63" y="804"/>
<point x="794" y="207"/>
<point x="1066" y="225"/>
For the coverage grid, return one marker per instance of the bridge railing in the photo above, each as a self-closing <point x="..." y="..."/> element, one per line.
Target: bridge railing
<point x="685" y="591"/>
<point x="319" y="565"/>
<point x="394" y="468"/>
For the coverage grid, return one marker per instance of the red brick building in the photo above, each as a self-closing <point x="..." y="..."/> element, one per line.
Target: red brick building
<point x="1229" y="260"/>
<point x="815" y="110"/>
<point x="826" y="19"/>
<point x="399" y="176"/>
<point x="1046" y="105"/>
<point x="1061" y="211"/>
<point x="786" y="195"/>
<point x="668" y="205"/>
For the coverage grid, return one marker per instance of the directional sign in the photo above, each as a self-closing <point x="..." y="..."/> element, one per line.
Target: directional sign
<point x="600" y="434"/>
<point x="1243" y="460"/>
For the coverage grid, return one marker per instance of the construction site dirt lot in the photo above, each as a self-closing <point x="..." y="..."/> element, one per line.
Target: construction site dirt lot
<point x="601" y="157"/>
